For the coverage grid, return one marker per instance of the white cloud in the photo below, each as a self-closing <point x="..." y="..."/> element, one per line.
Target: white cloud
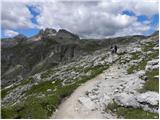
<point x="85" y="18"/>
<point x="139" y="7"/>
<point x="10" y="33"/>
<point x="16" y="15"/>
<point x="98" y="19"/>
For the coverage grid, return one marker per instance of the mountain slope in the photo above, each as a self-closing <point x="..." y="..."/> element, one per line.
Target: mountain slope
<point x="118" y="92"/>
<point x="22" y="56"/>
<point x="45" y="88"/>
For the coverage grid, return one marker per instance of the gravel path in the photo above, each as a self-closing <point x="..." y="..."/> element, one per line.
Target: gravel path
<point x="71" y="108"/>
<point x="79" y="106"/>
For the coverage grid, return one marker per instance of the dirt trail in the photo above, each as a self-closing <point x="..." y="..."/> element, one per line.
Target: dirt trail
<point x="72" y="108"/>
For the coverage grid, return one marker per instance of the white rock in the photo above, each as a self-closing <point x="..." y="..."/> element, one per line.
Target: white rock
<point x="136" y="50"/>
<point x="37" y="77"/>
<point x="156" y="77"/>
<point x="93" y="97"/>
<point x="140" y="73"/>
<point x="49" y="90"/>
<point x="36" y="83"/>
<point x="153" y="62"/>
<point x="53" y="82"/>
<point x="151" y="67"/>
<point x="149" y="52"/>
<point x="155" y="48"/>
<point x="87" y="103"/>
<point x="125" y="99"/>
<point x="151" y="98"/>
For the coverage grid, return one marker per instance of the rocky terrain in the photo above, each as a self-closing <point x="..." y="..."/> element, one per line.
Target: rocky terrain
<point x="22" y="56"/>
<point x="57" y="75"/>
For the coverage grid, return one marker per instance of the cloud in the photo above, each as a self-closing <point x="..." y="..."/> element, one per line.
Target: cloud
<point x="85" y="18"/>
<point x="139" y="7"/>
<point x="15" y="15"/>
<point x="96" y="19"/>
<point x="10" y="33"/>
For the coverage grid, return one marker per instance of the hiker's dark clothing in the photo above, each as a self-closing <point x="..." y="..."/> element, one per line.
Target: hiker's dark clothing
<point x="115" y="49"/>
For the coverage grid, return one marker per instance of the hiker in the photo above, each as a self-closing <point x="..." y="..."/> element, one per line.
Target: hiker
<point x="115" y="49"/>
<point x="112" y="50"/>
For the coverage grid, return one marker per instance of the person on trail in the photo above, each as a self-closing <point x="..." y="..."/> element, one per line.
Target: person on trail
<point x="115" y="49"/>
<point x="112" y="50"/>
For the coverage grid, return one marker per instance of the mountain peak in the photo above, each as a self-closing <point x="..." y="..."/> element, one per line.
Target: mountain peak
<point x="62" y="33"/>
<point x="20" y="37"/>
<point x="49" y="31"/>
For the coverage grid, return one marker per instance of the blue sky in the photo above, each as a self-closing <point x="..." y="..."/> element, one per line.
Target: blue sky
<point x="122" y="22"/>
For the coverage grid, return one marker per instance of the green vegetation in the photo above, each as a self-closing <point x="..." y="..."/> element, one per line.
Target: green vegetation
<point x="136" y="55"/>
<point x="152" y="84"/>
<point x="148" y="46"/>
<point x="141" y="65"/>
<point x="41" y="87"/>
<point x="44" y="106"/>
<point x="8" y="112"/>
<point x="129" y="112"/>
<point x="89" y="45"/>
<point x="32" y="108"/>
<point x="96" y="69"/>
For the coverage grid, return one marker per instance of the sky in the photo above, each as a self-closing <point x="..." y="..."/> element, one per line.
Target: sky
<point x="86" y="18"/>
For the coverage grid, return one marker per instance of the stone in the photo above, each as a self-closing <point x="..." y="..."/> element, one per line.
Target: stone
<point x="87" y="103"/>
<point x="140" y="73"/>
<point x="36" y="83"/>
<point x="49" y="90"/>
<point x="150" y="67"/>
<point x="136" y="50"/>
<point x="126" y="100"/>
<point x="53" y="82"/>
<point x="151" y="98"/>
<point x="153" y="62"/>
<point x="155" y="48"/>
<point x="89" y="73"/>
<point x="156" y="77"/>
<point x="93" y="97"/>
<point x="37" y="77"/>
<point x="149" y="52"/>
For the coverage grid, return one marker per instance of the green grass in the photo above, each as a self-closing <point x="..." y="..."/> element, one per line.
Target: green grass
<point x="129" y="112"/>
<point x="9" y="112"/>
<point x="45" y="106"/>
<point x="43" y="87"/>
<point x="135" y="56"/>
<point x="37" y="108"/>
<point x="151" y="84"/>
<point x="147" y="47"/>
<point x="141" y="65"/>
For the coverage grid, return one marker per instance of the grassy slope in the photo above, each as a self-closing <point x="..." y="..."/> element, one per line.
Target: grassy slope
<point x="130" y="113"/>
<point x="44" y="106"/>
